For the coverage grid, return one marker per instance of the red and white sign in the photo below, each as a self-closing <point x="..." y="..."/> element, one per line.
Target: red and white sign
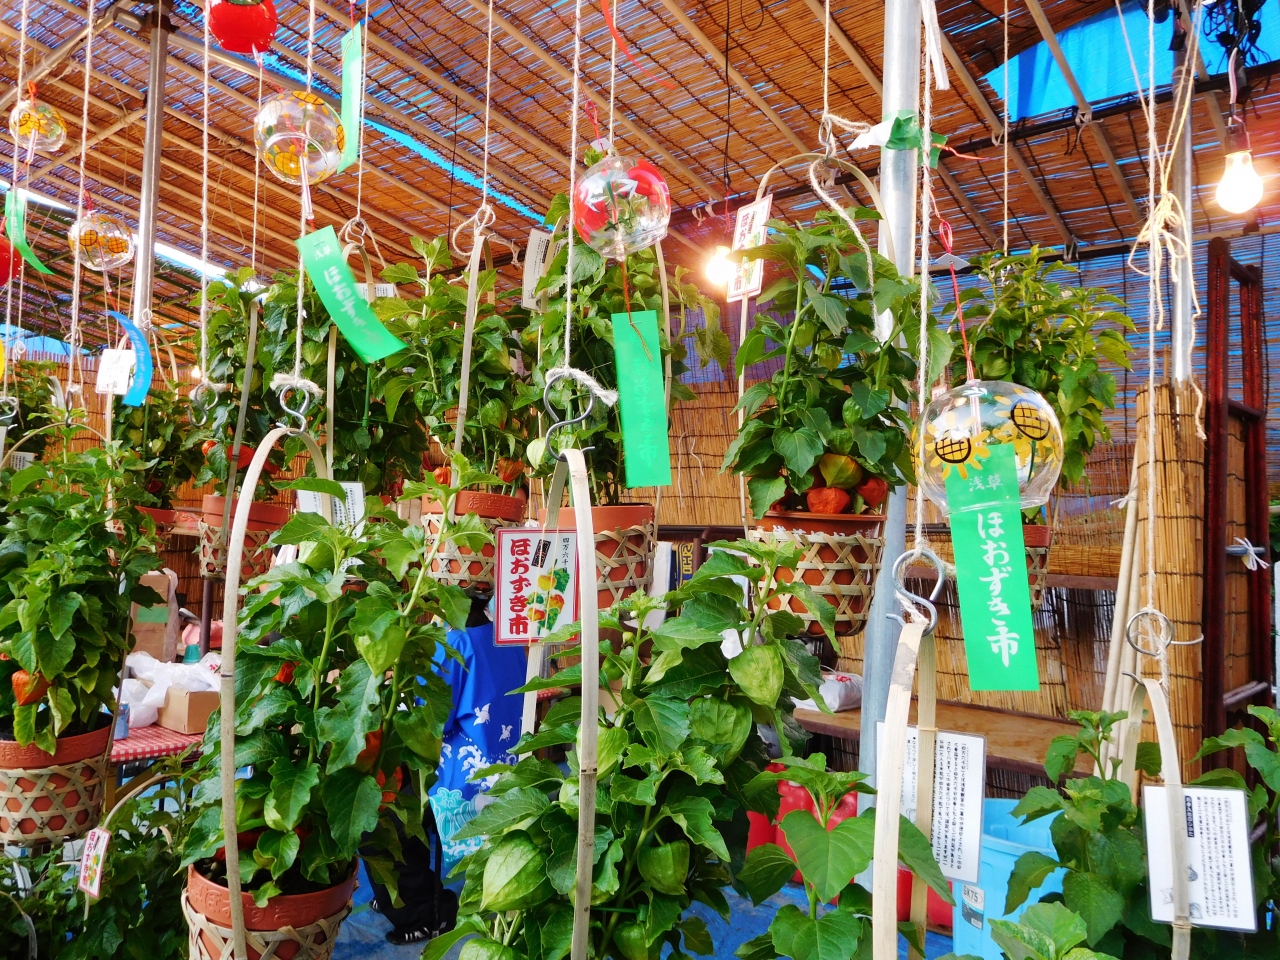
<point x="93" y="860"/>
<point x="535" y="583"/>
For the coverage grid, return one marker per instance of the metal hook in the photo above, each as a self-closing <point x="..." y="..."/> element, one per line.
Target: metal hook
<point x="8" y="411"/>
<point x="201" y="403"/>
<point x="899" y="578"/>
<point x="299" y="412"/>
<point x="561" y="424"/>
<point x="1163" y="639"/>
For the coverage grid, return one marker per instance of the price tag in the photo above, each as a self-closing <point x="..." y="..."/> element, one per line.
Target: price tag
<point x="959" y="780"/>
<point x="115" y="371"/>
<point x="538" y="252"/>
<point x="1216" y="826"/>
<point x="93" y="860"/>
<point x="379" y="290"/>
<point x="750" y="229"/>
<point x="535" y="583"/>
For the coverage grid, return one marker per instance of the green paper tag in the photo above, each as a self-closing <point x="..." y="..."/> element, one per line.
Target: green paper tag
<point x="352" y="95"/>
<point x="322" y="257"/>
<point x="906" y="134"/>
<point x="991" y="573"/>
<point x="15" y="213"/>
<point x="646" y="446"/>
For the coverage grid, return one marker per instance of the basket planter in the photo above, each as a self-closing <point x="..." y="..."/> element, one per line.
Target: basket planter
<point x="840" y="560"/>
<point x="625" y="540"/>
<point x="458" y="565"/>
<point x="1038" y="539"/>
<point x="264" y="519"/>
<point x="290" y="927"/>
<point x="49" y="797"/>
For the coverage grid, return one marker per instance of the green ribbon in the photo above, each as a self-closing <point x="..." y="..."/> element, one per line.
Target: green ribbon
<point x="15" y="214"/>
<point x="642" y="399"/>
<point x="906" y="134"/>
<point x="324" y="263"/>
<point x="991" y="572"/>
<point x="352" y="95"/>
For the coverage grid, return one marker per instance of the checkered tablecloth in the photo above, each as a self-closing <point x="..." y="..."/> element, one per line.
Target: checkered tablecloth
<point x="151" y="743"/>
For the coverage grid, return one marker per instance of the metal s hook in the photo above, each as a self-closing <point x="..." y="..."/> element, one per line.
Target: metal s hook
<point x="8" y="411"/>
<point x="299" y="412"/>
<point x="569" y="422"/>
<point x="200" y="400"/>
<point x="907" y="597"/>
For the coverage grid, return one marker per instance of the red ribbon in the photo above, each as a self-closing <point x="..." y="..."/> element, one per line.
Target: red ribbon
<point x="606" y="9"/>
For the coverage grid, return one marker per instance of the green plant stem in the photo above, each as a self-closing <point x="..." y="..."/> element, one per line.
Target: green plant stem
<point x="330" y="621"/>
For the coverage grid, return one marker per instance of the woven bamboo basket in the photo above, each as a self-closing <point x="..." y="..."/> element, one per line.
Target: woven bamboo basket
<point x="1038" y="541"/>
<point x="458" y="565"/>
<point x="265" y="519"/>
<point x="626" y="537"/>
<point x="46" y="798"/>
<point x="840" y="560"/>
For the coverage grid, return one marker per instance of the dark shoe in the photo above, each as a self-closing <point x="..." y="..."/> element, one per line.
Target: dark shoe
<point x="404" y="936"/>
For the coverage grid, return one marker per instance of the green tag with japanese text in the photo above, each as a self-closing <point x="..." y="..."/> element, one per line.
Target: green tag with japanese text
<point x="991" y="572"/>
<point x="352" y="94"/>
<point x="322" y="257"/>
<point x="15" y="214"/>
<point x="646" y="448"/>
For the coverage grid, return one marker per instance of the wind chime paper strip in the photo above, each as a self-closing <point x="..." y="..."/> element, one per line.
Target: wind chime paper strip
<point x="646" y="449"/>
<point x="15" y="214"/>
<point x="322" y="257"/>
<point x="991" y="572"/>
<point x="141" y="383"/>
<point x="352" y="94"/>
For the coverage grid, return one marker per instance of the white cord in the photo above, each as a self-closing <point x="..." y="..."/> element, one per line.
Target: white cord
<point x="75" y="338"/>
<point x="573" y="179"/>
<point x="204" y="210"/>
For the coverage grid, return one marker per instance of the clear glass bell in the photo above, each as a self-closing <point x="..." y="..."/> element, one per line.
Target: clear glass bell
<point x="297" y="131"/>
<point x="621" y="206"/>
<point x="32" y="122"/>
<point x="100" y="241"/>
<point x="960" y="427"/>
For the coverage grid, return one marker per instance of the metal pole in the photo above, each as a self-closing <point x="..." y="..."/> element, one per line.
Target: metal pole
<point x="145" y="264"/>
<point x="1184" y="279"/>
<point x="899" y="172"/>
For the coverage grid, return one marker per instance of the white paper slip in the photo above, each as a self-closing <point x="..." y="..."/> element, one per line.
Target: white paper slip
<point x="115" y="371"/>
<point x="348" y="511"/>
<point x="538" y="252"/>
<point x="959" y="781"/>
<point x="750" y="229"/>
<point x="1218" y="862"/>
<point x="379" y="290"/>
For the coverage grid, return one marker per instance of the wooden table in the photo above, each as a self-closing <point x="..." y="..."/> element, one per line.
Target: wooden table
<point x="1015" y="741"/>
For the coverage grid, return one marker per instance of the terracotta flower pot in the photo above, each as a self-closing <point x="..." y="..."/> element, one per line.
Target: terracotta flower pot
<point x="624" y="547"/>
<point x="162" y="517"/>
<point x="459" y="565"/>
<point x="34" y="783"/>
<point x="264" y="518"/>
<point x="212" y="901"/>
<point x="1037" y="538"/>
<point x="840" y="561"/>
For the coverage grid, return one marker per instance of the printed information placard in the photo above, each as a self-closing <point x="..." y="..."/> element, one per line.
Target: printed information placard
<point x="991" y="573"/>
<point x="115" y="371"/>
<point x="959" y="781"/>
<point x="750" y="229"/>
<point x="1218" y="861"/>
<point x="535" y="583"/>
<point x="93" y="860"/>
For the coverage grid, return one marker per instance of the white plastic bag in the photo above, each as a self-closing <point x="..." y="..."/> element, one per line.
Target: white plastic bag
<point x="841" y="691"/>
<point x="161" y="676"/>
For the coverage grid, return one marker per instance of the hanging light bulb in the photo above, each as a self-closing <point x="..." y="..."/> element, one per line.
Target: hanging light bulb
<point x="719" y="269"/>
<point x="1240" y="188"/>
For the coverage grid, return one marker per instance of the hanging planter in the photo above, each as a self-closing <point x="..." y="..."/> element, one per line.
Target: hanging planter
<point x="264" y="519"/>
<point x="625" y="539"/>
<point x="840" y="560"/>
<point x="458" y="565"/>
<point x="1038" y="538"/>
<point x="46" y="797"/>
<point x="290" y="927"/>
<point x="243" y="27"/>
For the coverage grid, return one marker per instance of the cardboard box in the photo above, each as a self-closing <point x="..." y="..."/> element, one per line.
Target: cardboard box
<point x="156" y="629"/>
<point x="187" y="711"/>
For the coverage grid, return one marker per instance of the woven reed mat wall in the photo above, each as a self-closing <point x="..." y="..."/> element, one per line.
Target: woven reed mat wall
<point x="1179" y="552"/>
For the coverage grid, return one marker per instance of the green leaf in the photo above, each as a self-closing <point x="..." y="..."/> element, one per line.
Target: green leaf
<point x="1029" y="872"/>
<point x="1095" y="900"/>
<point x="757" y="670"/>
<point x="757" y="948"/>
<point x="422" y="726"/>
<point x="1065" y="928"/>
<point x="1061" y="757"/>
<point x="62" y="609"/>
<point x="833" y="936"/>
<point x="662" y="723"/>
<point x="316" y="485"/>
<point x="1148" y="759"/>
<point x="830" y="309"/>
<point x="1021" y="943"/>
<point x="829" y="859"/>
<point x="291" y="788"/>
<point x="351" y="801"/>
<point x="916" y="852"/>
<point x="516" y="808"/>
<point x="678" y="633"/>
<point x="766" y="871"/>
<point x="765" y="492"/>
<point x="694" y="815"/>
<point x="515" y="876"/>
<point x="357" y="713"/>
<point x="696" y="936"/>
<point x="800" y="449"/>
<point x="724" y="725"/>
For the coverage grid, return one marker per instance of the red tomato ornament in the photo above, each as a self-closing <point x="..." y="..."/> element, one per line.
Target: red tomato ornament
<point x="10" y="260"/>
<point x="241" y="27"/>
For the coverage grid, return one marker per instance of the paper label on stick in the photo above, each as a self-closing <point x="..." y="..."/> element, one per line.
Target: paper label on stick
<point x="535" y="583"/>
<point x="959" y="781"/>
<point x="93" y="860"/>
<point x="750" y="229"/>
<point x="352" y="95"/>
<point x="115" y="371"/>
<point x="991" y="573"/>
<point x="538" y="252"/>
<point x="642" y="399"/>
<point x="322" y="257"/>
<point x="1216" y="827"/>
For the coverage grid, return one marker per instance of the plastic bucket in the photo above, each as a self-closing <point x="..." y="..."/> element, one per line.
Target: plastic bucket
<point x="1004" y="840"/>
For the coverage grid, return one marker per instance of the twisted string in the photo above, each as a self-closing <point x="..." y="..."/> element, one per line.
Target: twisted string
<point x="205" y="383"/>
<point x="17" y="157"/>
<point x="75" y="372"/>
<point x="573" y="178"/>
<point x="480" y="221"/>
<point x="1004" y="138"/>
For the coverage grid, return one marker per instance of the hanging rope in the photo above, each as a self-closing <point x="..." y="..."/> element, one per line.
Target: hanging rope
<point x="17" y="158"/>
<point x="75" y="372"/>
<point x="573" y="179"/>
<point x="206" y="385"/>
<point x="1004" y="138"/>
<point x="480" y="221"/>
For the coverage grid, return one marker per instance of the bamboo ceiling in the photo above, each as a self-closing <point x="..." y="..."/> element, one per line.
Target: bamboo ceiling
<point x="424" y="111"/>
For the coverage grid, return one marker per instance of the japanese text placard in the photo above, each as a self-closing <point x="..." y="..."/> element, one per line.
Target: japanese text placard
<point x="750" y="229"/>
<point x="991" y="573"/>
<point x="535" y="583"/>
